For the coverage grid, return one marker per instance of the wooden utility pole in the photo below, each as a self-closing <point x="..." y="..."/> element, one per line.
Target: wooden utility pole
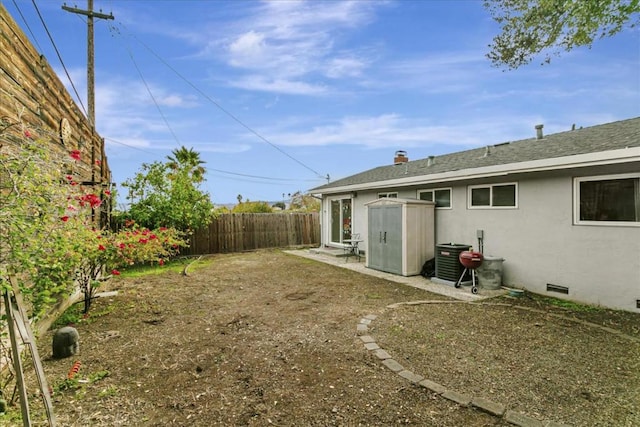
<point x="90" y="14"/>
<point x="91" y="92"/>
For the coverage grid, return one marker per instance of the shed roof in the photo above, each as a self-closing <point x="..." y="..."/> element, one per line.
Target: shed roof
<point x="611" y="136"/>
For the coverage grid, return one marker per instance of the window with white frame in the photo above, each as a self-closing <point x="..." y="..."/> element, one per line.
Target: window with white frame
<point x="493" y="196"/>
<point x="607" y="200"/>
<point x="393" y="195"/>
<point x="442" y="197"/>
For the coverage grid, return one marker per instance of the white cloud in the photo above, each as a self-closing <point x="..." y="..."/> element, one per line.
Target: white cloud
<point x="345" y="67"/>
<point x="378" y="132"/>
<point x="292" y="40"/>
<point x="261" y="83"/>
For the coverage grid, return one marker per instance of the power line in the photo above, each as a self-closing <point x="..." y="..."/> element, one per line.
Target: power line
<point x="135" y="64"/>
<point x="221" y="108"/>
<point x="64" y="67"/>
<point x="259" y="177"/>
<point x="209" y="170"/>
<point x="26" y="23"/>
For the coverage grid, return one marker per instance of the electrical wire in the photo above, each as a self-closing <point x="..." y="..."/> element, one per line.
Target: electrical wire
<point x="64" y="67"/>
<point x="26" y="23"/>
<point x="113" y="30"/>
<point x="221" y="108"/>
<point x="210" y="170"/>
<point x="259" y="177"/>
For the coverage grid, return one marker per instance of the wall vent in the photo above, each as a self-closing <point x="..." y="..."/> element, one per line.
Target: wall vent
<point x="638" y="303"/>
<point x="557" y="288"/>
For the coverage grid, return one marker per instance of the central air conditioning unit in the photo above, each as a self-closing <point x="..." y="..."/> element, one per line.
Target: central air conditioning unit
<point x="448" y="266"/>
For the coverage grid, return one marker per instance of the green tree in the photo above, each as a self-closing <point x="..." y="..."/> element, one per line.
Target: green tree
<point x="532" y="27"/>
<point x="168" y="194"/>
<point x="187" y="159"/>
<point x="252" y="207"/>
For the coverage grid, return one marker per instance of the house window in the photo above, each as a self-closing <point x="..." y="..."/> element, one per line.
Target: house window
<point x="607" y="200"/>
<point x="388" y="195"/>
<point x="442" y="197"/>
<point x="493" y="196"/>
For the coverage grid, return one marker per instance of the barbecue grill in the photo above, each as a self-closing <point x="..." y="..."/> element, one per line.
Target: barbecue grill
<point x="470" y="260"/>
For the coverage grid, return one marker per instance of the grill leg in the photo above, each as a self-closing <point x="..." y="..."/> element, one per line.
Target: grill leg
<point x="474" y="288"/>
<point x="457" y="285"/>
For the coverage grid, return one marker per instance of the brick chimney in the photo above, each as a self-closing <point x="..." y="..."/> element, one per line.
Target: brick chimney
<point x="400" y="157"/>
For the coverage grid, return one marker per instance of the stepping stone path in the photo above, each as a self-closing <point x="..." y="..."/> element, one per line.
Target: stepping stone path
<point x="493" y="408"/>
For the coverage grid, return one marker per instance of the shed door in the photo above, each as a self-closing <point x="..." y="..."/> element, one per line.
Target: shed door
<point x="375" y="250"/>
<point x="385" y="238"/>
<point x="393" y="239"/>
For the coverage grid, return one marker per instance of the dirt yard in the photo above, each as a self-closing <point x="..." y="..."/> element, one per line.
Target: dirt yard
<point x="269" y="338"/>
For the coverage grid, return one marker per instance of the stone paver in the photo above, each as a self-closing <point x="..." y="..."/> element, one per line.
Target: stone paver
<point x="521" y="420"/>
<point x="382" y="354"/>
<point x="554" y="424"/>
<point x="488" y="406"/>
<point x="414" y="378"/>
<point x="459" y="398"/>
<point x="434" y="387"/>
<point x="393" y="365"/>
<point x="367" y="338"/>
<point x="371" y="346"/>
<point x="362" y="329"/>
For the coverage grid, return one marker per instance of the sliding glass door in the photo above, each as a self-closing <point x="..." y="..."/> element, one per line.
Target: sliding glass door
<point x="340" y="220"/>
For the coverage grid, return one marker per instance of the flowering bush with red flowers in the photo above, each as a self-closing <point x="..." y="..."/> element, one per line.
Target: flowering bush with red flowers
<point x="37" y="230"/>
<point x="49" y="242"/>
<point x="106" y="251"/>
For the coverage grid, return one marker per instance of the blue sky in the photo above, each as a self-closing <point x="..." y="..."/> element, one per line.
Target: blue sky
<point x="277" y="95"/>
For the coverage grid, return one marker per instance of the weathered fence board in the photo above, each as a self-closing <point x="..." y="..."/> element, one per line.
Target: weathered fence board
<point x="239" y="232"/>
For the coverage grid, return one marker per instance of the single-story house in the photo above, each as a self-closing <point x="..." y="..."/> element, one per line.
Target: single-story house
<point x="563" y="210"/>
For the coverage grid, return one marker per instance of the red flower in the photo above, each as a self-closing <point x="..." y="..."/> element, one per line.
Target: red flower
<point x="160" y="261"/>
<point x="98" y="162"/>
<point x="27" y="133"/>
<point x="65" y="218"/>
<point x="75" y="154"/>
<point x="115" y="272"/>
<point x="143" y="240"/>
<point x="152" y="236"/>
<point x="101" y="248"/>
<point x="162" y="229"/>
<point x="69" y="177"/>
<point x="121" y="246"/>
<point x="73" y="183"/>
<point x="92" y="199"/>
<point x="107" y="192"/>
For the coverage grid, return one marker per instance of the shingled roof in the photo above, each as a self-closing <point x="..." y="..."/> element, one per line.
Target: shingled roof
<point x="611" y="136"/>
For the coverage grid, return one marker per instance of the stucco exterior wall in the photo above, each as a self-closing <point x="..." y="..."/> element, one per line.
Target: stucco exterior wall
<point x="540" y="244"/>
<point x="538" y="241"/>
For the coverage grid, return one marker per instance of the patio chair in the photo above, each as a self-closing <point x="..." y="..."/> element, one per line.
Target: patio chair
<point x="351" y="247"/>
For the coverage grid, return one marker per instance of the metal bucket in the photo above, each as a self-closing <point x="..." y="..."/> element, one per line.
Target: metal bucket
<point x="490" y="272"/>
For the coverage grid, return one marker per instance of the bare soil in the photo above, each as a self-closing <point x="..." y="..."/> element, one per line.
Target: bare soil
<point x="269" y="338"/>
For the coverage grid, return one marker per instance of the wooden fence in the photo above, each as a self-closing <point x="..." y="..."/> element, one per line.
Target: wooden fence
<point x="239" y="232"/>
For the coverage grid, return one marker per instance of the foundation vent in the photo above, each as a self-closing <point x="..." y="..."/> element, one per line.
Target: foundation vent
<point x="557" y="288"/>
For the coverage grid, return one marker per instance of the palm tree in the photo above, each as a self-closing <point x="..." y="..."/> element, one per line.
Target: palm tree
<point x="190" y="159"/>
